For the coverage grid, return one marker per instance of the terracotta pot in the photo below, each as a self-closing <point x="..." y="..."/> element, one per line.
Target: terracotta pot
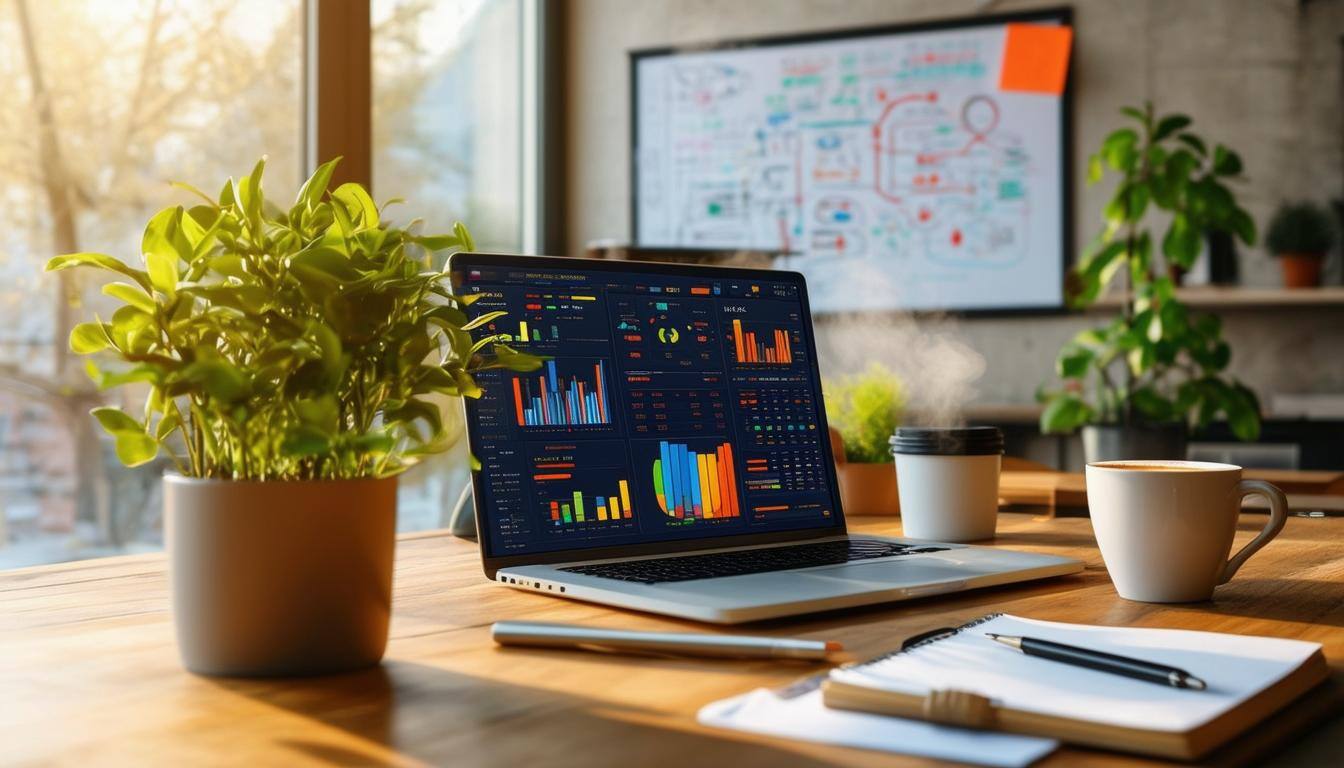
<point x="280" y="578"/>
<point x="1301" y="270"/>
<point x="868" y="489"/>
<point x="865" y="489"/>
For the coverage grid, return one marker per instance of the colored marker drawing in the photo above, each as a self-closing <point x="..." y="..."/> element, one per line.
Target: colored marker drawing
<point x="896" y="158"/>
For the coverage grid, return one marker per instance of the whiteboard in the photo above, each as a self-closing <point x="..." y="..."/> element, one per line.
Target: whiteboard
<point x="890" y="164"/>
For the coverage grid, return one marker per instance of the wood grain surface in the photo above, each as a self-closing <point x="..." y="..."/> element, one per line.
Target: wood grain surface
<point x="89" y="672"/>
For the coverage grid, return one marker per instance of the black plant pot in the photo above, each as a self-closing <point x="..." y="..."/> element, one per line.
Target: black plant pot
<point x="1114" y="442"/>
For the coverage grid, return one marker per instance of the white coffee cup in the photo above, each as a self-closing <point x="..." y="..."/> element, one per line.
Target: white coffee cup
<point x="1165" y="528"/>
<point x="948" y="481"/>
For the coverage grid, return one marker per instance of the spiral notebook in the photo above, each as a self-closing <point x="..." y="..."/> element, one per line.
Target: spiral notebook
<point x="960" y="677"/>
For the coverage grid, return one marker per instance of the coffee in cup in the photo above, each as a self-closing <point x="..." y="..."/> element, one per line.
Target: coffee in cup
<point x="1165" y="528"/>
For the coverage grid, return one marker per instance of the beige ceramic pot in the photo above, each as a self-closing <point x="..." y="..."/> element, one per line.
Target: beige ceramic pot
<point x="280" y="578"/>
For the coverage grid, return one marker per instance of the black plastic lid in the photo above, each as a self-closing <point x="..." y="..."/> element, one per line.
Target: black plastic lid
<point x="947" y="441"/>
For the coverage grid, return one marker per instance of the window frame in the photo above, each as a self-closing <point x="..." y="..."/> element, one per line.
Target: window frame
<point x="338" y="104"/>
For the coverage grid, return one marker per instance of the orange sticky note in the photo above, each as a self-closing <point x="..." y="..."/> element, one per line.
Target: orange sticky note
<point x="1035" y="58"/>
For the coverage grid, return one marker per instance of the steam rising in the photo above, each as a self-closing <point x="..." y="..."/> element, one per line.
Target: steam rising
<point x="938" y="369"/>
<point x="936" y="366"/>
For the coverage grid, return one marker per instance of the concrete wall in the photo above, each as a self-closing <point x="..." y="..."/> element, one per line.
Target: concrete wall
<point x="1262" y="76"/>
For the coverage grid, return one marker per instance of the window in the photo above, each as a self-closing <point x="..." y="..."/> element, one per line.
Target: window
<point x="448" y="117"/>
<point x="447" y="123"/>
<point x="109" y="100"/>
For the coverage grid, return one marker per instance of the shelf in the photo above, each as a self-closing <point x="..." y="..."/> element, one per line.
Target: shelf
<point x="1030" y="413"/>
<point x="1239" y="297"/>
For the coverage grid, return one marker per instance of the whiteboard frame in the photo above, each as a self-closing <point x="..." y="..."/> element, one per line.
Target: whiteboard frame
<point x="1061" y="14"/>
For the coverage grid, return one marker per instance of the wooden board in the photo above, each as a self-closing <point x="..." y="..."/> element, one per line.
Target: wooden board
<point x="1049" y="489"/>
<point x="89" y="672"/>
<point x="1069" y="489"/>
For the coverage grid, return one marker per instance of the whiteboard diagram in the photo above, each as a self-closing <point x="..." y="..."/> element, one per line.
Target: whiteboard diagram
<point x="894" y="167"/>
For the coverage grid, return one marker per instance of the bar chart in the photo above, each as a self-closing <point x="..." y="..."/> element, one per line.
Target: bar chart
<point x="536" y="332"/>
<point x="578" y="507"/>
<point x="576" y="398"/>
<point x="771" y="346"/>
<point x="699" y="485"/>
<point x="543" y="321"/>
<point x="581" y="488"/>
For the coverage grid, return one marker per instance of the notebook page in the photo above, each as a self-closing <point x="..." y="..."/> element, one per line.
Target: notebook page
<point x="1235" y="667"/>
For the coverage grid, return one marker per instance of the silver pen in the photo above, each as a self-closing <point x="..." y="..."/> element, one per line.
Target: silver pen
<point x="547" y="635"/>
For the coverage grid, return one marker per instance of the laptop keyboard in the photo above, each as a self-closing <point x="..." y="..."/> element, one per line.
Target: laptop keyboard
<point x="719" y="564"/>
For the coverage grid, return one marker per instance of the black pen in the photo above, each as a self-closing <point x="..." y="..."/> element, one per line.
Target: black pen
<point x="1102" y="662"/>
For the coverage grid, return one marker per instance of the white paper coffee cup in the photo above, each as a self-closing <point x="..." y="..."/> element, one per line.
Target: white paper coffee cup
<point x="948" y="481"/>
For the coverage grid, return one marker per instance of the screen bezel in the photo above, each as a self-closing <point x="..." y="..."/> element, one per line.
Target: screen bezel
<point x="1062" y="14"/>
<point x="460" y="262"/>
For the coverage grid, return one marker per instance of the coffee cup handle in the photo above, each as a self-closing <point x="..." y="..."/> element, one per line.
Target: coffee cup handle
<point x="1278" y="515"/>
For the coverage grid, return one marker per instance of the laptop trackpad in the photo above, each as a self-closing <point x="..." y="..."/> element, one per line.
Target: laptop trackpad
<point x="892" y="572"/>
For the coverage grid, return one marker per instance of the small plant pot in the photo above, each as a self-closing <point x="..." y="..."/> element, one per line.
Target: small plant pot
<point x="280" y="578"/>
<point x="1301" y="270"/>
<point x="1112" y="442"/>
<point x="868" y="489"/>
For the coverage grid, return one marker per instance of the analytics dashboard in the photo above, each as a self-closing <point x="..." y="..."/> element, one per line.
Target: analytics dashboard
<point x="669" y="407"/>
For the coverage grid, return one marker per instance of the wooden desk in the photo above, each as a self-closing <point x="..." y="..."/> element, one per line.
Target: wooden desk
<point x="89" y="672"/>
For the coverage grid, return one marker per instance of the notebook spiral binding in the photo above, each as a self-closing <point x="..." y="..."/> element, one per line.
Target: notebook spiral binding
<point x="926" y="638"/>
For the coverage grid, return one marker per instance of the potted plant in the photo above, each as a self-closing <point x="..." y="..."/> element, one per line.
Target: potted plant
<point x="1138" y="382"/>
<point x="863" y="410"/>
<point x="1301" y="235"/>
<point x="288" y="358"/>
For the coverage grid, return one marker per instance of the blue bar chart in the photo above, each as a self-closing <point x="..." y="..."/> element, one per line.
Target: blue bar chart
<point x="691" y="484"/>
<point x="553" y="400"/>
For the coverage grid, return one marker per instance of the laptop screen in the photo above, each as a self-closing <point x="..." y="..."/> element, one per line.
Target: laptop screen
<point x="678" y="403"/>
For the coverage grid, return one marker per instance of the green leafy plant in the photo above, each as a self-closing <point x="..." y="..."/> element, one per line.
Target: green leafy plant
<point x="865" y="408"/>
<point x="1303" y="228"/>
<point x="293" y="344"/>
<point x="1154" y="363"/>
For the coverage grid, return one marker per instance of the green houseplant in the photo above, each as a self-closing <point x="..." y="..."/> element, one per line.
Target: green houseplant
<point x="1300" y="235"/>
<point x="1136" y="383"/>
<point x="863" y="410"/>
<point x="288" y="359"/>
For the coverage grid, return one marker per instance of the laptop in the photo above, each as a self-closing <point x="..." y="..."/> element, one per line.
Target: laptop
<point x="671" y="454"/>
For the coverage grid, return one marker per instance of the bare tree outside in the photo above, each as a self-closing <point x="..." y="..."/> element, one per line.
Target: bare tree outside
<point x="111" y="100"/>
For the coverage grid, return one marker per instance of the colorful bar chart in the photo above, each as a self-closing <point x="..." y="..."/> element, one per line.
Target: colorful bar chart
<point x="554" y="401"/>
<point x="576" y="508"/>
<point x="533" y="333"/>
<point x="752" y="349"/>
<point x="690" y="484"/>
